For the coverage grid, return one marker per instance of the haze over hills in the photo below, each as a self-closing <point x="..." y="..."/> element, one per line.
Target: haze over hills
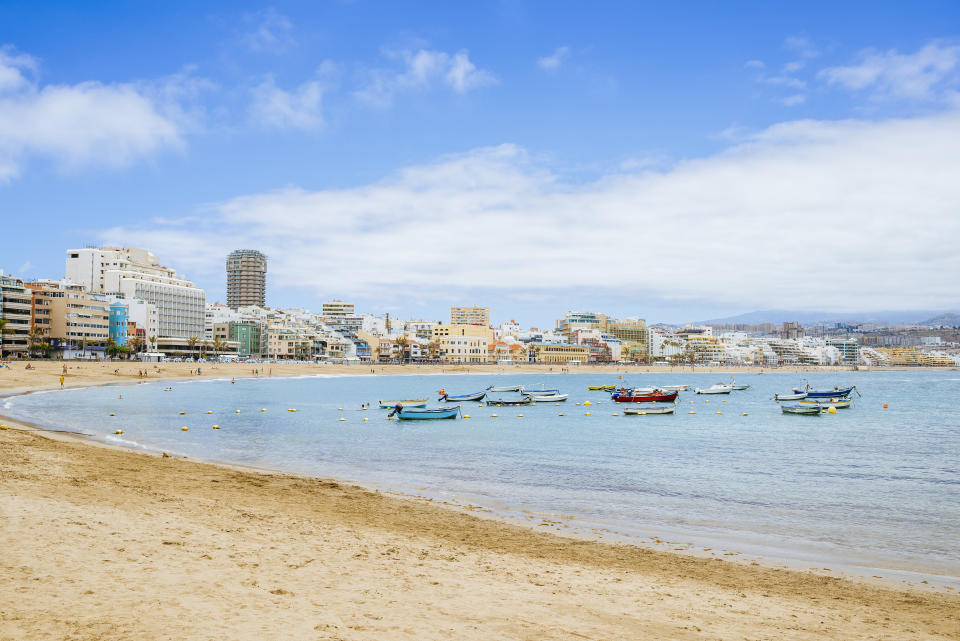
<point x="900" y="317"/>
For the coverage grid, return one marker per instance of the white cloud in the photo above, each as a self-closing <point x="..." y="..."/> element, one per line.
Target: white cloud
<point x="89" y="123"/>
<point x="301" y="108"/>
<point x="271" y="32"/>
<point x="801" y="45"/>
<point x="553" y="61"/>
<point x="838" y="215"/>
<point x="795" y="99"/>
<point x="922" y="75"/>
<point x="421" y="69"/>
<point x="754" y="64"/>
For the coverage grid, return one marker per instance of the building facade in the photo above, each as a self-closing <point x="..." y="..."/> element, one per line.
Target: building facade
<point x="246" y="278"/>
<point x="15" y="308"/>
<point x="473" y="315"/>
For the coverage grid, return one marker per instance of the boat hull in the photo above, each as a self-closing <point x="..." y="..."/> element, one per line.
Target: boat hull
<point x="674" y="388"/>
<point x="601" y="388"/>
<point x="645" y="398"/>
<point x="549" y="398"/>
<point x="642" y="411"/>
<point x="714" y="390"/>
<point x="447" y="398"/>
<point x="505" y="388"/>
<point x="416" y="414"/>
<point x="789" y="397"/>
<point x="839" y="403"/>
<point x="502" y="402"/>
<point x="800" y="410"/>
<point x="827" y="394"/>
<point x="417" y="402"/>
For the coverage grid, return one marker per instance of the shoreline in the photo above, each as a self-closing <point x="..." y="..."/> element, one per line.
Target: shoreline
<point x="49" y="473"/>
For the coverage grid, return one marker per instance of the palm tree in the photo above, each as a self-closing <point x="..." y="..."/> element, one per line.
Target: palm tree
<point x="192" y="342"/>
<point x="36" y="333"/>
<point x="153" y="343"/>
<point x="433" y="349"/>
<point x="218" y="346"/>
<point x="403" y="344"/>
<point x="135" y="344"/>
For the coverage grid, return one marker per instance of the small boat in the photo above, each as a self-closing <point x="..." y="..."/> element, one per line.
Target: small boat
<point x="527" y="392"/>
<point x="601" y="388"/>
<point x="447" y="398"/>
<point x="547" y="398"/>
<point x="642" y="411"/>
<point x="526" y="400"/>
<point x="834" y="393"/>
<point x="719" y="388"/>
<point x="736" y="387"/>
<point x="800" y="409"/>
<point x="790" y="397"/>
<point x="626" y="395"/>
<point x="421" y="414"/>
<point x="416" y="402"/>
<point x="675" y="388"/>
<point x="505" y="388"/>
<point x="839" y="403"/>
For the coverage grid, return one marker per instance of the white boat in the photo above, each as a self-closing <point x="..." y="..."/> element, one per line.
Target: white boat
<point x="642" y="411"/>
<point x="839" y="403"/>
<point x="505" y="388"/>
<point x="799" y="409"/>
<point x="790" y="397"/>
<point x="417" y="402"/>
<point x="547" y="398"/>
<point x="736" y="387"/>
<point x="675" y="388"/>
<point x="719" y="388"/>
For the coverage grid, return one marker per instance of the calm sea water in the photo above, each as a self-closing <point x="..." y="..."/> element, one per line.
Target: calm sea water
<point x="868" y="487"/>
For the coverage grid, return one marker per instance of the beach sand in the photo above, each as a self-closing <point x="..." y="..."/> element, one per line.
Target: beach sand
<point x="104" y="543"/>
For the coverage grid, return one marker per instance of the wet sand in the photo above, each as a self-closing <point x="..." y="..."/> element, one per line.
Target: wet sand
<point x="105" y="543"/>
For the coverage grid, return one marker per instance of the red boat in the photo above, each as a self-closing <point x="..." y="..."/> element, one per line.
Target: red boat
<point x="626" y="395"/>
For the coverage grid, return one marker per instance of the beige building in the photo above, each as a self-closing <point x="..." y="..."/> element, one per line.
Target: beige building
<point x="562" y="354"/>
<point x="73" y="319"/>
<point x="473" y="315"/>
<point x="246" y="278"/>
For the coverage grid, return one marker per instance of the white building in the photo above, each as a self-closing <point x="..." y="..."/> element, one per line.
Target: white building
<point x="131" y="273"/>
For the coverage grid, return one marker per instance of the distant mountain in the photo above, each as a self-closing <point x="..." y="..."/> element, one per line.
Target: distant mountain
<point x="951" y="320"/>
<point x="900" y="317"/>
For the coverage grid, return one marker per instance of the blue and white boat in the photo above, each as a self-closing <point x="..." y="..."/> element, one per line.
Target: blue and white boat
<point x="421" y="414"/>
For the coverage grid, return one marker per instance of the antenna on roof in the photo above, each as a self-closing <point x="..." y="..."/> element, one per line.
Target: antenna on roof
<point x="89" y="245"/>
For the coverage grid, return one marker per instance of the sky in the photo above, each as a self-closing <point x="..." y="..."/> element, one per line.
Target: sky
<point x="667" y="161"/>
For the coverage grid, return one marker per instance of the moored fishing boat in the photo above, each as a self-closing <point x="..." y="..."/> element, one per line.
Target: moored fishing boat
<point x="643" y="411"/>
<point x="800" y="409"/>
<point x="526" y="400"/>
<point x="542" y="390"/>
<point x="719" y="388"/>
<point x="629" y="395"/>
<point x="416" y="402"/>
<point x="422" y="414"/>
<point x="835" y="392"/>
<point x="790" y="397"/>
<point x="547" y="398"/>
<point x="505" y="388"/>
<point x="601" y="388"/>
<point x="674" y="388"/>
<point x="459" y="398"/>
<point x="839" y="403"/>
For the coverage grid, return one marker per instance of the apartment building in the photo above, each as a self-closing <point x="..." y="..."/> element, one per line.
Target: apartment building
<point x="76" y="322"/>
<point x="246" y="278"/>
<point x="473" y="315"/>
<point x="15" y="309"/>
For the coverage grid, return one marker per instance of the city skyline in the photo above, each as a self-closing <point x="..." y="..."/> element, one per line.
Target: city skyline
<point x="630" y="160"/>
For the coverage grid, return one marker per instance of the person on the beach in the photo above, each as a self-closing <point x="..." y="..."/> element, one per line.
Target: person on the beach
<point x="61" y="381"/>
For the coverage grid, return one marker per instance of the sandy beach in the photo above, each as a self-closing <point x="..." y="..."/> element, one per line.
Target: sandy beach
<point x="105" y="543"/>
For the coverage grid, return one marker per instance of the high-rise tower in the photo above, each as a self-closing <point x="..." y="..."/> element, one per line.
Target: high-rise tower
<point x="246" y="278"/>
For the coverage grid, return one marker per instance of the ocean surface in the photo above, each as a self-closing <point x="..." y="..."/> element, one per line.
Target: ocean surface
<point x="870" y="489"/>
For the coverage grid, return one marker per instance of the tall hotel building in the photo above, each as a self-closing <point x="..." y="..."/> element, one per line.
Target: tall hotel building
<point x="246" y="279"/>
<point x="130" y="274"/>
<point x="470" y="316"/>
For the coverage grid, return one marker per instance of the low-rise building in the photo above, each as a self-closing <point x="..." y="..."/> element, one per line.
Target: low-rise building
<point x="557" y="354"/>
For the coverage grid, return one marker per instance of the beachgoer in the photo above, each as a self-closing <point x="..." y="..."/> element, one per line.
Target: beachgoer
<point x="61" y="381"/>
<point x="233" y="380"/>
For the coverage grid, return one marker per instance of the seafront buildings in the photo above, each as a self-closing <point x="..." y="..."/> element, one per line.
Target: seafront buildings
<point x="123" y="298"/>
<point x="246" y="278"/>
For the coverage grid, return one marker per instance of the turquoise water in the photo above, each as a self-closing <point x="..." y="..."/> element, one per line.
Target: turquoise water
<point x="868" y="487"/>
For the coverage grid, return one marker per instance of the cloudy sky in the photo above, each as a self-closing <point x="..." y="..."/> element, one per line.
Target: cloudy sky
<point x="663" y="161"/>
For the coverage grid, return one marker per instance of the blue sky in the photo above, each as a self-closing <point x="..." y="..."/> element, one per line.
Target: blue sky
<point x="668" y="161"/>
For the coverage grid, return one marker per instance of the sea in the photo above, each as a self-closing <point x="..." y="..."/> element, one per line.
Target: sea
<point x="873" y="490"/>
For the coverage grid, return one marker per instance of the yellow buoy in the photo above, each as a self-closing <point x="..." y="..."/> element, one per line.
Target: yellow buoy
<point x="238" y="411"/>
<point x="118" y="431"/>
<point x="744" y="413"/>
<point x="209" y="412"/>
<point x="615" y="414"/>
<point x="706" y="400"/>
<point x="519" y="415"/>
<point x="389" y="418"/>
<point x="692" y="412"/>
<point x="216" y="427"/>
<point x="289" y="410"/>
<point x="587" y="414"/>
<point x="578" y="403"/>
<point x="587" y="403"/>
<point x="263" y="409"/>
<point x="4" y="427"/>
<point x="832" y="410"/>
<point x="112" y="414"/>
<point x="464" y="416"/>
<point x="182" y="413"/>
<point x="364" y="409"/>
<point x="723" y="401"/>
<point x="366" y="419"/>
<point x="184" y="428"/>
<point x="341" y="419"/>
<point x="691" y="402"/>
<point x="494" y="415"/>
<point x="719" y="412"/>
<point x="560" y="414"/>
